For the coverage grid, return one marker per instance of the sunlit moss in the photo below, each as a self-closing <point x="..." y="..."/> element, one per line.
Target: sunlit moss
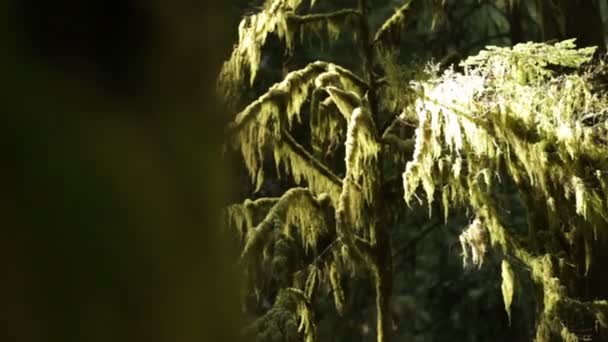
<point x="508" y="286"/>
<point x="362" y="149"/>
<point x="263" y="122"/>
<point x="389" y="31"/>
<point x="279" y="18"/>
<point x="253" y="32"/>
<point x="336" y="287"/>
<point x="296" y="208"/>
<point x="509" y="112"/>
<point x="475" y="242"/>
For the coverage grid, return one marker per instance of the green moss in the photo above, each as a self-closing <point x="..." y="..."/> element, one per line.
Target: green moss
<point x="508" y="112"/>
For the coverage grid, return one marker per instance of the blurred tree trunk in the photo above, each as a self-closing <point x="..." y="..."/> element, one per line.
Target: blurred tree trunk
<point x="516" y="22"/>
<point x="111" y="187"/>
<point x="580" y="19"/>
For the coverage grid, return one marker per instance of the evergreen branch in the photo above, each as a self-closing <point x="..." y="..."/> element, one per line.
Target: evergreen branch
<point x="391" y="124"/>
<point x="276" y="93"/>
<point x="360" y="83"/>
<point x="339" y="14"/>
<point x="390" y="25"/>
<point x="361" y="244"/>
<point x="426" y="229"/>
<point x="319" y="257"/>
<point x="243" y="215"/>
<point x="295" y="202"/>
<point x="280" y="92"/>
<point x="403" y="145"/>
<point x="346" y="101"/>
<point x="382" y="82"/>
<point x="387" y="138"/>
<point x="314" y="162"/>
<point x="460" y="113"/>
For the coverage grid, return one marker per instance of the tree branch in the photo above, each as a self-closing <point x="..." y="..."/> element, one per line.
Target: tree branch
<point x="303" y="153"/>
<point x="382" y="268"/>
<point x="396" y="19"/>
<point x="277" y="92"/>
<point x="278" y="213"/>
<point x="302" y="19"/>
<point x="319" y="257"/>
<point x="280" y="91"/>
<point x="426" y="229"/>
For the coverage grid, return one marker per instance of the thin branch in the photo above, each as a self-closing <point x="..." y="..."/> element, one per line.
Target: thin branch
<point x="307" y="18"/>
<point x="319" y="257"/>
<point x="279" y="91"/>
<point x="403" y="145"/>
<point x="460" y="113"/>
<point x="390" y="125"/>
<point x="302" y="152"/>
<point x="358" y="81"/>
<point x="395" y="20"/>
<point x="276" y="213"/>
<point x="426" y="229"/>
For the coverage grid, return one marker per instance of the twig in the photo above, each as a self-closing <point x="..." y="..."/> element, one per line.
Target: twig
<point x="318" y="257"/>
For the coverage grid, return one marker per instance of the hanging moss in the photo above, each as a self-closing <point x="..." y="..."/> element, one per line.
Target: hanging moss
<point x="277" y="17"/>
<point x="297" y="207"/>
<point x="474" y="241"/>
<point x="508" y="111"/>
<point x="508" y="114"/>
<point x="389" y="32"/>
<point x="508" y="286"/>
<point x="335" y="278"/>
<point x="290" y="317"/>
<point x="330" y="25"/>
<point x="362" y="150"/>
<point x="253" y="32"/>
<point x="264" y="123"/>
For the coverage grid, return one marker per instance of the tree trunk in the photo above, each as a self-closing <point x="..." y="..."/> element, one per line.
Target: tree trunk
<point x="382" y="255"/>
<point x="572" y="19"/>
<point x="515" y="23"/>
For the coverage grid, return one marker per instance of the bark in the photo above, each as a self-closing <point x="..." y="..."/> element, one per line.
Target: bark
<point x="382" y="255"/>
<point x="572" y="19"/>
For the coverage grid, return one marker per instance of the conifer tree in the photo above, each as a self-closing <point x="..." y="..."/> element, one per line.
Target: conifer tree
<point x="530" y="114"/>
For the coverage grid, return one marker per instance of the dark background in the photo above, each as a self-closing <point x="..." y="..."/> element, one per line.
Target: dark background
<point x="110" y="178"/>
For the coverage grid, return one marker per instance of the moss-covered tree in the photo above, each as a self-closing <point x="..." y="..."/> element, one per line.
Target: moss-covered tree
<point x="533" y="115"/>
